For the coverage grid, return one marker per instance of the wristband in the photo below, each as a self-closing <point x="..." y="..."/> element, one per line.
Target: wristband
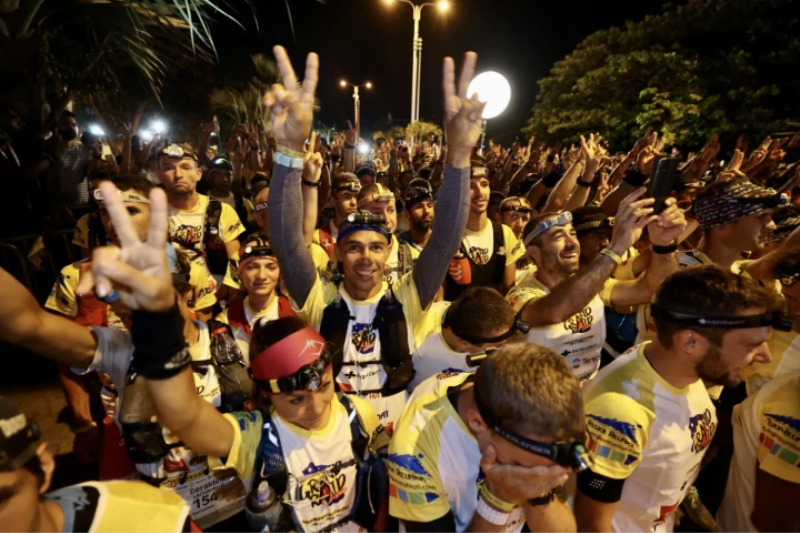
<point x="543" y="500"/>
<point x="582" y="183"/>
<point x="664" y="250"/>
<point x="84" y="429"/>
<point x="294" y="154"/>
<point x="287" y="160"/>
<point x="490" y="515"/>
<point x="161" y="351"/>
<point x="494" y="501"/>
<point x="349" y="146"/>
<point x="611" y="254"/>
<point x="308" y="183"/>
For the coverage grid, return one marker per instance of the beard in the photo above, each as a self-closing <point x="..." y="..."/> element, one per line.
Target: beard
<point x="422" y="225"/>
<point x="712" y="369"/>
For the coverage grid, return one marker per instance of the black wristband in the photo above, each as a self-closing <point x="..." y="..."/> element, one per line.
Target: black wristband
<point x="160" y="350"/>
<point x="582" y="183"/>
<point x="312" y="183"/>
<point x="349" y="146"/>
<point x="664" y="250"/>
<point x="635" y="178"/>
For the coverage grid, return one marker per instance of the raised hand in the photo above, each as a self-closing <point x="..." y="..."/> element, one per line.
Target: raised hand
<point x="292" y="105"/>
<point x="668" y="226"/>
<point x="632" y="217"/>
<point x="351" y="135"/>
<point x="312" y="168"/>
<point x="138" y="271"/>
<point x="252" y="137"/>
<point x="733" y="171"/>
<point x="759" y="154"/>
<point x="463" y="120"/>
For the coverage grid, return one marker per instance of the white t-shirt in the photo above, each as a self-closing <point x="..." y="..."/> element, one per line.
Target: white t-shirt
<point x="649" y="433"/>
<point x="183" y="471"/>
<point x="241" y="336"/>
<point x="433" y="356"/>
<point x="766" y="436"/>
<point x="434" y="460"/>
<point x="580" y="338"/>
<point x="479" y="245"/>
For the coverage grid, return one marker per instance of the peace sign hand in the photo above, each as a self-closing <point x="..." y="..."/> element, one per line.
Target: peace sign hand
<point x="292" y="105"/>
<point x="139" y="271"/>
<point x="462" y="114"/>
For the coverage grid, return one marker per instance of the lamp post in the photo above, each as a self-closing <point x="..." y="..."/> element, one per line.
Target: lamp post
<point x="416" y="52"/>
<point x="356" y="98"/>
<point x="494" y="89"/>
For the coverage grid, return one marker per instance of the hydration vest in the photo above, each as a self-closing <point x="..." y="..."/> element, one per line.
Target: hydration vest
<point x="213" y="247"/>
<point x="390" y="322"/>
<point x="465" y="273"/>
<point x="237" y="317"/>
<point x="371" y="485"/>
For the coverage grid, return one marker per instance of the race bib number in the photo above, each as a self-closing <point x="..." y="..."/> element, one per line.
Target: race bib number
<point x="200" y="490"/>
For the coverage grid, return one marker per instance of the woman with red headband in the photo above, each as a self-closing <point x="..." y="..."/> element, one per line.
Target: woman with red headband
<point x="259" y="273"/>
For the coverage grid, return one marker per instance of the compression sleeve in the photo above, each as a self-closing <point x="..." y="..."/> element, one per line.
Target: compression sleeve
<point x="452" y="209"/>
<point x="286" y="233"/>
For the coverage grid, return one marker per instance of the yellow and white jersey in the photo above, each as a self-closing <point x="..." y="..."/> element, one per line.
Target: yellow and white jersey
<point x="785" y="349"/>
<point x="434" y="461"/>
<point x="649" y="433"/>
<point x="433" y="355"/>
<point x="580" y="338"/>
<point x="766" y="436"/>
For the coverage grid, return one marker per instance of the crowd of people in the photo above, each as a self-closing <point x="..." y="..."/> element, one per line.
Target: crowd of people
<point x="290" y="335"/>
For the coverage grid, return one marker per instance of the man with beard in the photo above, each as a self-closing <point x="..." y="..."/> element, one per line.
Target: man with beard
<point x="564" y="304"/>
<point x="489" y="250"/>
<point x="419" y="213"/>
<point x="649" y="415"/>
<point x="207" y="229"/>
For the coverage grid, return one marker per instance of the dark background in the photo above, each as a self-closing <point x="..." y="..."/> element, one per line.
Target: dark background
<point x="370" y="40"/>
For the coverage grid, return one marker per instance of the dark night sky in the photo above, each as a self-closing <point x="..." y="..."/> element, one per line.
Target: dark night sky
<point x="362" y="40"/>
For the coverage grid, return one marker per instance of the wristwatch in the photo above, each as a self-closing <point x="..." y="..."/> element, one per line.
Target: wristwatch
<point x="286" y="160"/>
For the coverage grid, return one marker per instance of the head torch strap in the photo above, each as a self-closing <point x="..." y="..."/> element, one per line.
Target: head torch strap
<point x="126" y="196"/>
<point x="773" y="319"/>
<point x="517" y="327"/>
<point x="595" y="224"/>
<point x="516" y="209"/>
<point x="556" y="220"/>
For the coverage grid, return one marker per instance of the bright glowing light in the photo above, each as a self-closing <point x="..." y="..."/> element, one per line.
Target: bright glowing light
<point x="368" y="85"/>
<point x="494" y="89"/>
<point x="343" y="83"/>
<point x="444" y="5"/>
<point x="146" y="135"/>
<point x="158" y="126"/>
<point x="363" y="148"/>
<point x="95" y="129"/>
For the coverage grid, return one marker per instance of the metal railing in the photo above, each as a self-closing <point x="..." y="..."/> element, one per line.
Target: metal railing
<point x="58" y="252"/>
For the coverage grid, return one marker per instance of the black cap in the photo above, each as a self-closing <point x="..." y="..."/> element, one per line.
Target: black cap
<point x="18" y="437"/>
<point x="590" y="218"/>
<point x="220" y="163"/>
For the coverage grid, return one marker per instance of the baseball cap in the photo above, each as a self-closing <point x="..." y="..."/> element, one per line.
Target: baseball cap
<point x="731" y="201"/>
<point x="18" y="437"/>
<point x="220" y="163"/>
<point x="178" y="151"/>
<point x="590" y="218"/>
<point x="366" y="167"/>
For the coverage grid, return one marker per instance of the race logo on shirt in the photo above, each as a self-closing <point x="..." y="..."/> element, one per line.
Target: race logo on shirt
<point x="363" y="337"/>
<point x="580" y="322"/>
<point x="664" y="514"/>
<point x="187" y="234"/>
<point x="325" y="486"/>
<point x="613" y="439"/>
<point x="702" y="430"/>
<point x="479" y="256"/>
<point x="233" y="227"/>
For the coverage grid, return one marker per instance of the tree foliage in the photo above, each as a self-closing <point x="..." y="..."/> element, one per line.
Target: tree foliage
<point x="724" y="66"/>
<point x="421" y="130"/>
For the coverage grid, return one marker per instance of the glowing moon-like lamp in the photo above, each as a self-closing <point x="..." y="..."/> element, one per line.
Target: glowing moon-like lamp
<point x="493" y="88"/>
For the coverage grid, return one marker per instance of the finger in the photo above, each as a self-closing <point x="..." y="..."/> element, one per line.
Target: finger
<point x="144" y="285"/>
<point x="349" y="125"/>
<point x="312" y="141"/>
<point x="488" y="458"/>
<point x="644" y="221"/>
<point x="467" y="72"/>
<point x="311" y="77"/>
<point x="159" y="220"/>
<point x="102" y="283"/>
<point x="123" y="226"/>
<point x="285" y="67"/>
<point x="449" y="78"/>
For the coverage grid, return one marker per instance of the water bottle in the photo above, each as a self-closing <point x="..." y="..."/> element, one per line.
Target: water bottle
<point x="264" y="508"/>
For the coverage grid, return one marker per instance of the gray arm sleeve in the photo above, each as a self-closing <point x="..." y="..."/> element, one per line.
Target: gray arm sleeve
<point x="286" y="233"/>
<point x="452" y="209"/>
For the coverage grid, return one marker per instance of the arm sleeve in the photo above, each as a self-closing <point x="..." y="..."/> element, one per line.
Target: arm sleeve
<point x="286" y="233"/>
<point x="617" y="428"/>
<point x="452" y="206"/>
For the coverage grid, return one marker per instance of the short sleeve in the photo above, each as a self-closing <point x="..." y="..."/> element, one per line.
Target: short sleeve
<point x="247" y="428"/>
<point x="80" y="237"/>
<point x="378" y="438"/>
<point x="230" y="225"/>
<point x="251" y="212"/>
<point x="408" y="295"/>
<point x="608" y="288"/>
<point x="322" y="293"/>
<point x="231" y="278"/>
<point x="521" y="295"/>
<point x="779" y="442"/>
<point x="202" y="297"/>
<point x="62" y="297"/>
<point x="416" y="490"/>
<point x="618" y="428"/>
<point x="515" y="248"/>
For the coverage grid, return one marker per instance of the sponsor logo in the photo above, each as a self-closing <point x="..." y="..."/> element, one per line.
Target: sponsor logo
<point x="363" y="337"/>
<point x="409" y="462"/>
<point x="702" y="430"/>
<point x="664" y="514"/>
<point x="580" y="322"/>
<point x="623" y="428"/>
<point x="187" y="234"/>
<point x="326" y="485"/>
<point x="479" y="256"/>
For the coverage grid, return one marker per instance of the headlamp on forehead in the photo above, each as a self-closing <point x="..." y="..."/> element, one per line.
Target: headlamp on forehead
<point x="364" y="221"/>
<point x="174" y="151"/>
<point x="352" y="186"/>
<point x="308" y="378"/>
<point x="376" y="198"/>
<point x="295" y="363"/>
<point x="556" y="220"/>
<point x="126" y="196"/>
<point x="774" y="319"/>
<point x="478" y="172"/>
<point x="571" y="455"/>
<point x="516" y="208"/>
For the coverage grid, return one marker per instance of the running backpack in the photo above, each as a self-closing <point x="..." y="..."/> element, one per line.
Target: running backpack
<point x="216" y="255"/>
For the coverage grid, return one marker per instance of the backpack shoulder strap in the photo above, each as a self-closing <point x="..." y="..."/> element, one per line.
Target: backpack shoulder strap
<point x="333" y="329"/>
<point x="237" y="317"/>
<point x="499" y="236"/>
<point x="213" y="215"/>
<point x="358" y="432"/>
<point x="285" y="307"/>
<point x="390" y="321"/>
<point x="270" y="464"/>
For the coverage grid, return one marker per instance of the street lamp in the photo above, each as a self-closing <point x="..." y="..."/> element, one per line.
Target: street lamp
<point x="416" y="58"/>
<point x="356" y="97"/>
<point x="494" y="89"/>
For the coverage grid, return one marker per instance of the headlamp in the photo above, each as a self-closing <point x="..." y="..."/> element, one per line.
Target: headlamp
<point x="518" y="327"/>
<point x="308" y="378"/>
<point x="364" y="221"/>
<point x="774" y="319"/>
<point x="571" y="455"/>
<point x="352" y="186"/>
<point x="556" y="220"/>
<point x="516" y="208"/>
<point x="771" y="201"/>
<point x="174" y="151"/>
